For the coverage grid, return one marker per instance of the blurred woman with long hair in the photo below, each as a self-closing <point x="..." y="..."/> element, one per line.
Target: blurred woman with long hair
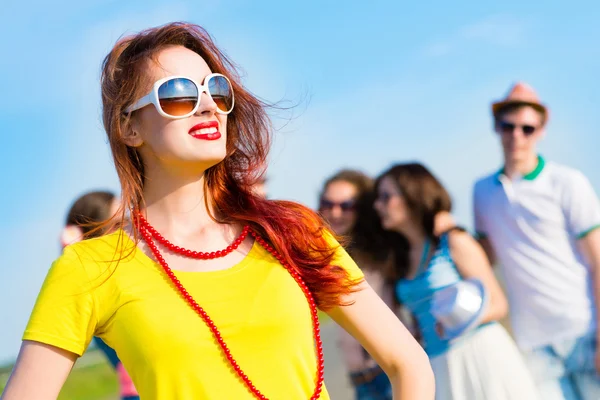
<point x="476" y="358"/>
<point x="346" y="202"/>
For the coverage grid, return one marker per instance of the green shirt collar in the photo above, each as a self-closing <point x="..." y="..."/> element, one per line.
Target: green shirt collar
<point x="533" y="174"/>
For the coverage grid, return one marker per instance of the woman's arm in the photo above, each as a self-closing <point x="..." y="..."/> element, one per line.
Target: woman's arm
<point x="472" y="262"/>
<point x="404" y="315"/>
<point x="352" y="351"/>
<point x="370" y="321"/>
<point x="39" y="373"/>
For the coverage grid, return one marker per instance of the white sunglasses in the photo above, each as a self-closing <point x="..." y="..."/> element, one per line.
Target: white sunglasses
<point x="179" y="96"/>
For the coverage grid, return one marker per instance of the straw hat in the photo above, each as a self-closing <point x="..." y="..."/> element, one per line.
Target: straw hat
<point x="521" y="93"/>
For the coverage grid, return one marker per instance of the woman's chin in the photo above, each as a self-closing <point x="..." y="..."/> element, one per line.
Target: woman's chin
<point x="390" y="226"/>
<point x="385" y="224"/>
<point x="340" y="229"/>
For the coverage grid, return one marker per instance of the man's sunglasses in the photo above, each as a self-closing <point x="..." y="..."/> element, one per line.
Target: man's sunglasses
<point x="509" y="128"/>
<point x="179" y="97"/>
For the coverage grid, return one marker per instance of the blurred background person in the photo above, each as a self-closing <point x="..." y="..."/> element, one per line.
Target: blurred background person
<point x="483" y="363"/>
<point x="84" y="221"/>
<point x="346" y="203"/>
<point x="538" y="220"/>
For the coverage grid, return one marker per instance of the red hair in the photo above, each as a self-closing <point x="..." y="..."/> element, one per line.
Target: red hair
<point x="294" y="230"/>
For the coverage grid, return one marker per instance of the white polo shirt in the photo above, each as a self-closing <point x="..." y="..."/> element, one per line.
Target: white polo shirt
<point x="533" y="223"/>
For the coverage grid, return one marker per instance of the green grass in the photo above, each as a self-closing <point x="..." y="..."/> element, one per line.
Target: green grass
<point x="92" y="378"/>
<point x="93" y="382"/>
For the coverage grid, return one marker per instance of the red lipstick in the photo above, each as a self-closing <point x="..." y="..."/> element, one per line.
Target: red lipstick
<point x="206" y="131"/>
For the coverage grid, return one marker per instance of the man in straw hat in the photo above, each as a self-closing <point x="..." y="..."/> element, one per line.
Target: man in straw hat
<point x="538" y="220"/>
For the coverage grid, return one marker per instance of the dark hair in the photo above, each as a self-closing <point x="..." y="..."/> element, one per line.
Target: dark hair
<point x="366" y="238"/>
<point x="90" y="210"/>
<point x="425" y="197"/>
<point x="512" y="107"/>
<point x="296" y="232"/>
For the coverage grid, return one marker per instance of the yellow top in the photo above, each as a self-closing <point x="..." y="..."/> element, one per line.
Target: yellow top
<point x="168" y="350"/>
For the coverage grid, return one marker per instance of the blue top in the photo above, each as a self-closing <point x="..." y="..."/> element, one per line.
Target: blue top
<point x="416" y="294"/>
<point x="110" y="354"/>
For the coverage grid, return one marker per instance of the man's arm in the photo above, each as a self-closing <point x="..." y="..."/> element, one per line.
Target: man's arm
<point x="480" y="229"/>
<point x="487" y="247"/>
<point x="590" y="246"/>
<point x="582" y="211"/>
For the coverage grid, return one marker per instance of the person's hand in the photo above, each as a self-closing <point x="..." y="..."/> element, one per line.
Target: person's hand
<point x="443" y="222"/>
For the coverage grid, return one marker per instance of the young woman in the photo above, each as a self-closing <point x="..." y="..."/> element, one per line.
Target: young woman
<point x="483" y="363"/>
<point x="346" y="202"/>
<point x="212" y="292"/>
<point x="86" y="213"/>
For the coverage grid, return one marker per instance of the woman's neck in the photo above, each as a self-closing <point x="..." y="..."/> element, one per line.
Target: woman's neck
<point x="417" y="241"/>
<point x="415" y="236"/>
<point x="177" y="203"/>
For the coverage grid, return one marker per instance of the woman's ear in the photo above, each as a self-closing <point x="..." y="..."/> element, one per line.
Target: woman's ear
<point x="131" y="133"/>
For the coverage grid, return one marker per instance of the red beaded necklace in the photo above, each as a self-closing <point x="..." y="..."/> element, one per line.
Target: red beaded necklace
<point x="148" y="233"/>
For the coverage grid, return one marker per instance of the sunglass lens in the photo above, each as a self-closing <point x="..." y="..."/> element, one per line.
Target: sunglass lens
<point x="221" y="92"/>
<point x="507" y="127"/>
<point x="344" y="206"/>
<point x="325" y="205"/>
<point x="347" y="206"/>
<point x="178" y="96"/>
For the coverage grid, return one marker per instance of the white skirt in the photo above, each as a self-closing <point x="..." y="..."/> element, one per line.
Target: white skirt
<point x="484" y="366"/>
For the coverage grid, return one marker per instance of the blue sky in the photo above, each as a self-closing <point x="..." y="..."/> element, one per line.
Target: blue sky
<point x="378" y="82"/>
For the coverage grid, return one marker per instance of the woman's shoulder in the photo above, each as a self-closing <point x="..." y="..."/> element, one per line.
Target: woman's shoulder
<point x="457" y="236"/>
<point x="92" y="258"/>
<point x="460" y="244"/>
<point x="103" y="248"/>
<point x="452" y="235"/>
